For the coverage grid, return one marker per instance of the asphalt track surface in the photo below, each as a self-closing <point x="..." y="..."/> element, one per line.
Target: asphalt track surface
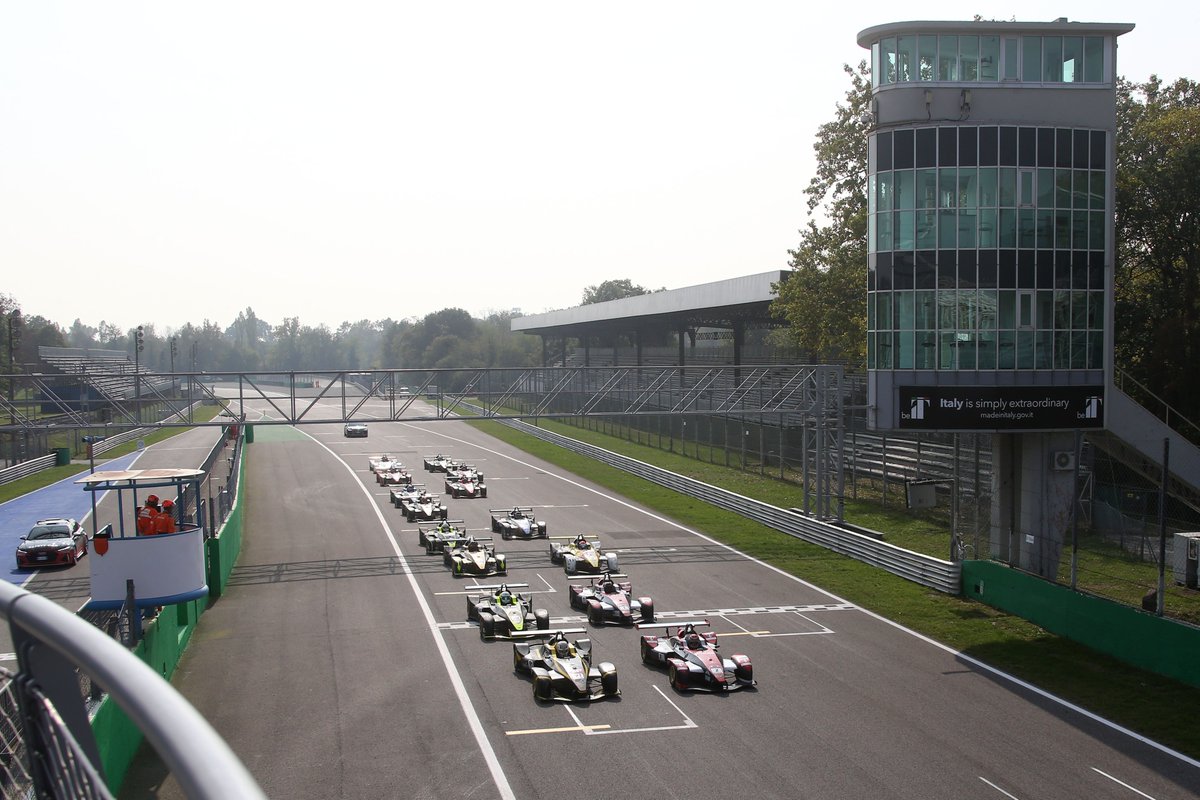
<point x="340" y="665"/>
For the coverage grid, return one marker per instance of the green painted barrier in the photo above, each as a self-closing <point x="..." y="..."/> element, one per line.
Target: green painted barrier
<point x="1163" y="646"/>
<point x="165" y="639"/>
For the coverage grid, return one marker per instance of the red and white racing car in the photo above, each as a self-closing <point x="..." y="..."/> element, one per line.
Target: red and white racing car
<point x="605" y="599"/>
<point x="692" y="660"/>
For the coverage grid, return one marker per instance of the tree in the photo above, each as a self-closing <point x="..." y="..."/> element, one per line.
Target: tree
<point x="81" y="335"/>
<point x="1157" y="276"/>
<point x="612" y="290"/>
<point x="824" y="298"/>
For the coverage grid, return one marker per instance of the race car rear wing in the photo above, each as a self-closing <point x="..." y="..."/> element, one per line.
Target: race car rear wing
<point x="594" y="578"/>
<point x="470" y="590"/>
<point x="675" y="623"/>
<point x="494" y="586"/>
<point x="431" y="526"/>
<point x="546" y="634"/>
<point x="526" y="509"/>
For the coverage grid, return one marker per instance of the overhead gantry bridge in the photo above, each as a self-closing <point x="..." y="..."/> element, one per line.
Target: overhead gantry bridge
<point x="782" y="393"/>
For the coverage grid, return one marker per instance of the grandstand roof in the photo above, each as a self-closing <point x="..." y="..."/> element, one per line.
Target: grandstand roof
<point x="717" y="304"/>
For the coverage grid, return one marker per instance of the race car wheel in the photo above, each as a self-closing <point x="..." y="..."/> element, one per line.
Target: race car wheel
<point x="612" y="562"/>
<point x="541" y="618"/>
<point x="647" y="653"/>
<point x="519" y="664"/>
<point x="505" y="534"/>
<point x="608" y="682"/>
<point x="595" y="614"/>
<point x="673" y="674"/>
<point x="473" y="609"/>
<point x="555" y="556"/>
<point x="569" y="564"/>
<point x="542" y="688"/>
<point x="411" y="517"/>
<point x="647" y="611"/>
<point x="421" y="539"/>
<point x="483" y="493"/>
<point x="573" y="596"/>
<point x="487" y="626"/>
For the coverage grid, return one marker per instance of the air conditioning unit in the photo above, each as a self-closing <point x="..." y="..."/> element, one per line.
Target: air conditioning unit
<point x="1062" y="460"/>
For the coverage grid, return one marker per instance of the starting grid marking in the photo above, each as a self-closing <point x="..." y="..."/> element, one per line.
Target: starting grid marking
<point x="742" y="612"/>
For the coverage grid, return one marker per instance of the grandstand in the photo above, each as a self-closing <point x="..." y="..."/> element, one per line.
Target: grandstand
<point x="97" y="376"/>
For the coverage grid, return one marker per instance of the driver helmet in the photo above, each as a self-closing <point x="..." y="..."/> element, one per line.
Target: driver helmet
<point x="609" y="587"/>
<point x="693" y="641"/>
<point x="506" y="598"/>
<point x="516" y="513"/>
<point x="562" y="649"/>
<point x="472" y="545"/>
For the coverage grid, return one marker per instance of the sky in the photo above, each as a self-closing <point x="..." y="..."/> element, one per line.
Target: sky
<point x="164" y="163"/>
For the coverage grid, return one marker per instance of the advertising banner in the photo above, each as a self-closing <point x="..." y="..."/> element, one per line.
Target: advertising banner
<point x="1000" y="408"/>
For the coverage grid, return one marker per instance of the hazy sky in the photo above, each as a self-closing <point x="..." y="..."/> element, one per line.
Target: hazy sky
<point x="166" y="162"/>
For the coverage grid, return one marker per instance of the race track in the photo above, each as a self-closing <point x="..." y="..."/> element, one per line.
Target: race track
<point x="339" y="664"/>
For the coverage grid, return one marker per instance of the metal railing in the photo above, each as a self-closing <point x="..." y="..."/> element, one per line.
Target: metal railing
<point x="945" y="576"/>
<point x="27" y="468"/>
<point x="59" y="757"/>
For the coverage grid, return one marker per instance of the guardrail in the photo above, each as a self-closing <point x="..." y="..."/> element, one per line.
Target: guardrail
<point x="60" y="755"/>
<point x="115" y="441"/>
<point x="945" y="576"/>
<point x="26" y="468"/>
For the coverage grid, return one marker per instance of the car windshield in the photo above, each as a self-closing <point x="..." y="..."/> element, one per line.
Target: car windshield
<point x="49" y="532"/>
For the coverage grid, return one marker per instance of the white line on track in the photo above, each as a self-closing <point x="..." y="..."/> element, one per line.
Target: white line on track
<point x="946" y="648"/>
<point x="1122" y="783"/>
<point x="464" y="700"/>
<point x="687" y="721"/>
<point x="998" y="789"/>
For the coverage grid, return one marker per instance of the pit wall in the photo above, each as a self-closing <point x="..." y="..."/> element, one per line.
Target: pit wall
<point x="1163" y="646"/>
<point x="164" y="641"/>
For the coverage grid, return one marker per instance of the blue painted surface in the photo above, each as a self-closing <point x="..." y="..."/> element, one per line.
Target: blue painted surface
<point x="63" y="499"/>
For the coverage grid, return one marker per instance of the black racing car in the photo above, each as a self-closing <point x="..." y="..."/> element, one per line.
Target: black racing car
<point x="518" y="522"/>
<point x="562" y="669"/>
<point x="502" y="611"/>
<point x="423" y="507"/>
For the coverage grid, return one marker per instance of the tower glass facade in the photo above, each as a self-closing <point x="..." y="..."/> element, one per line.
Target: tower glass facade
<point x="987" y="247"/>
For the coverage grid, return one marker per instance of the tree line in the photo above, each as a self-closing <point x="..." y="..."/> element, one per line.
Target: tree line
<point x="445" y="339"/>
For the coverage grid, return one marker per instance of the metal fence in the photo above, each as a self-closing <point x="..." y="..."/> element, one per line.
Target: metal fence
<point x="49" y="748"/>
<point x="926" y="570"/>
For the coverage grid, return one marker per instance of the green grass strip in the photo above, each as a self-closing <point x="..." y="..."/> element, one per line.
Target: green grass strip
<point x="1156" y="707"/>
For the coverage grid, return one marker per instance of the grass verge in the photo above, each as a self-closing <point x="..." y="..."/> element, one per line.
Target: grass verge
<point x="1156" y="707"/>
